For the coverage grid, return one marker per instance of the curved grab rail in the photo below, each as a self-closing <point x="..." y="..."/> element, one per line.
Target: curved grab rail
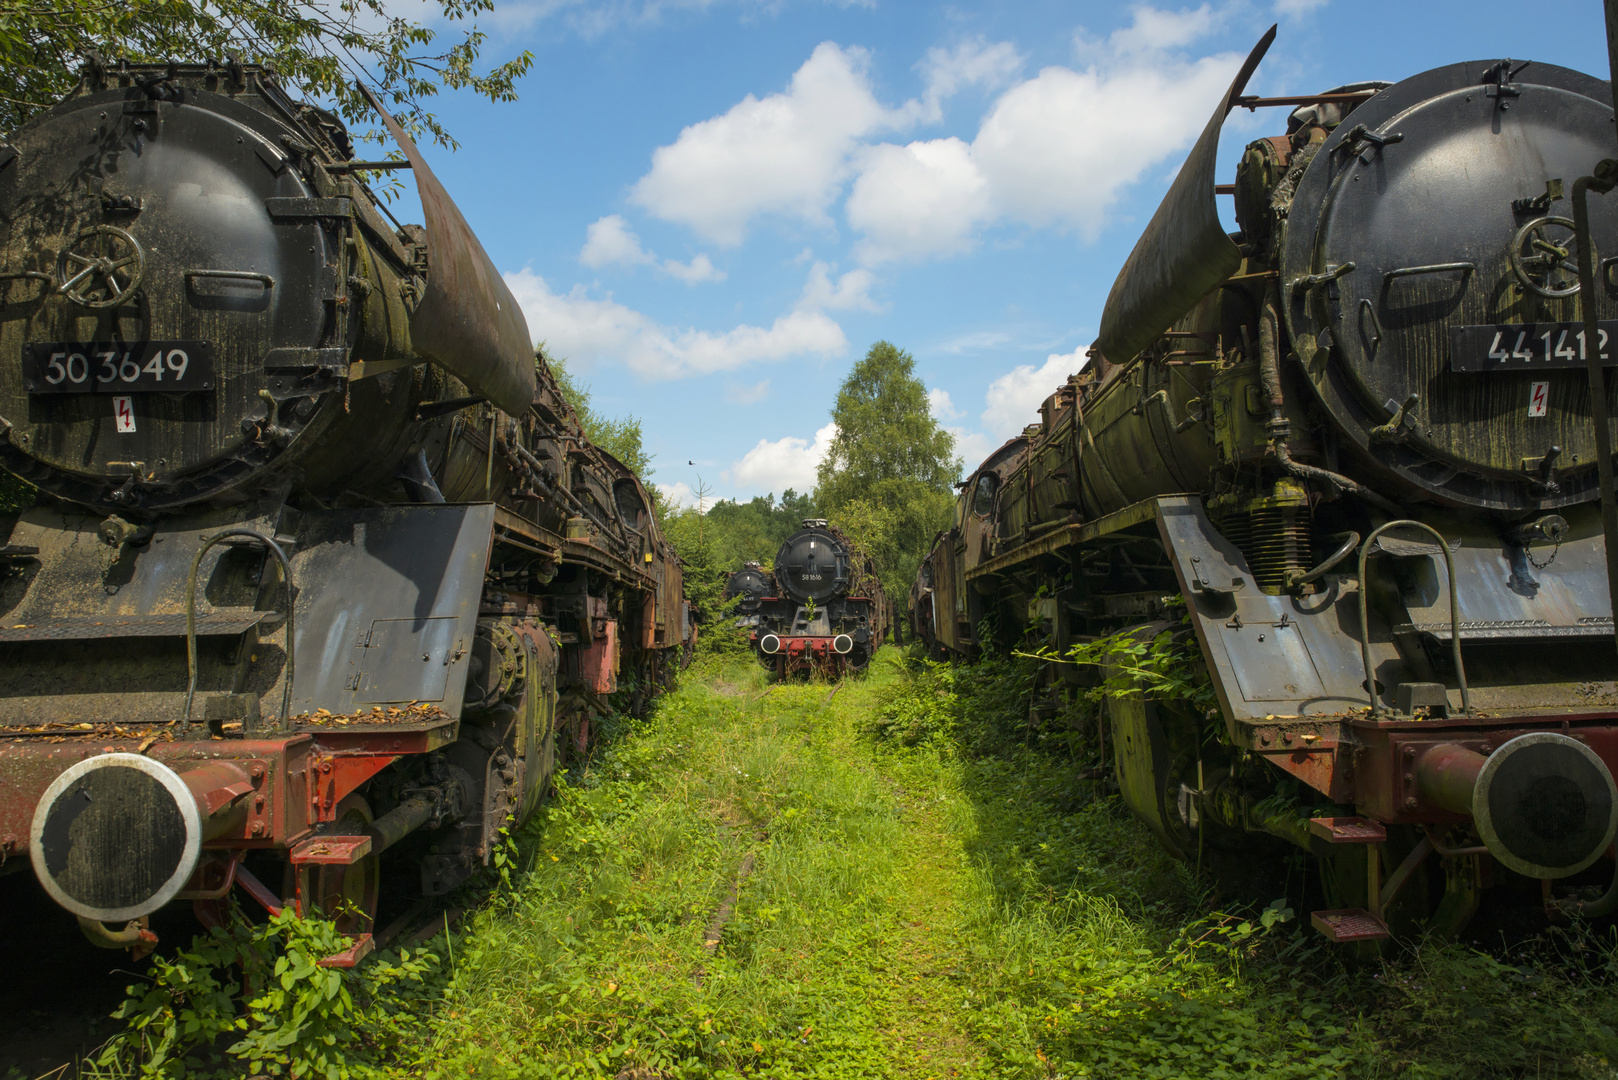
<point x="1454" y="612"/>
<point x="191" y="615"/>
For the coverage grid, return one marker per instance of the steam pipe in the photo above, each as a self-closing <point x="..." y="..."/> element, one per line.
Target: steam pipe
<point x="1606" y="174"/>
<point x="403" y="820"/>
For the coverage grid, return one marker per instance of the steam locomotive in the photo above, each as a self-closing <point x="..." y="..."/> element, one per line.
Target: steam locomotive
<point x="323" y="575"/>
<point x="821" y="609"/>
<point x="1355" y="441"/>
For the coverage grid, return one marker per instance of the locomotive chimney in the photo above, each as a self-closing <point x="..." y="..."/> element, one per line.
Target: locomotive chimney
<point x="1544" y="804"/>
<point x="116" y="836"/>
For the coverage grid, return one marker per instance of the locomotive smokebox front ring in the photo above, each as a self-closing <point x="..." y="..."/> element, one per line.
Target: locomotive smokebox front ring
<point x="115" y="837"/>
<point x="1545" y="805"/>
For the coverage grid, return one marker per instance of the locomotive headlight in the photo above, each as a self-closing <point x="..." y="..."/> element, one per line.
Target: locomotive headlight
<point x="115" y="837"/>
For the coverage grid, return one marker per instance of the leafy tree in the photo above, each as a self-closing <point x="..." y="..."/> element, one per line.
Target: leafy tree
<point x="891" y="469"/>
<point x="619" y="437"/>
<point x="757" y="528"/>
<point x="319" y="47"/>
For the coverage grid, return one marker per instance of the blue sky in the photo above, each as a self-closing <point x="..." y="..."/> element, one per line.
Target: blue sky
<point x="712" y="208"/>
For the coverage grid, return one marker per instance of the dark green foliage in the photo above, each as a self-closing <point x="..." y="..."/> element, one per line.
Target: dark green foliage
<point x="620" y="437"/>
<point x="195" y="1019"/>
<point x="318" y="48"/>
<point x="756" y="529"/>
<point x="888" y="477"/>
<point x="16" y="495"/>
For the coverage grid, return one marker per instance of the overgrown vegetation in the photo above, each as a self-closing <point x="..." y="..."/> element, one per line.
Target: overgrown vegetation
<point x="902" y="878"/>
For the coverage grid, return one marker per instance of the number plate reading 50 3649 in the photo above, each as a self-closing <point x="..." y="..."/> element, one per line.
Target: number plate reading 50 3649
<point x="1527" y="346"/>
<point x="82" y="367"/>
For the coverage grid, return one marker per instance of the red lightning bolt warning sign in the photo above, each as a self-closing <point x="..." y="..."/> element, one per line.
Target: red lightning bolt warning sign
<point x="1537" y="394"/>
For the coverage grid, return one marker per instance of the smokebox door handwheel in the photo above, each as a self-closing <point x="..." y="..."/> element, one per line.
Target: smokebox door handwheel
<point x="1430" y="252"/>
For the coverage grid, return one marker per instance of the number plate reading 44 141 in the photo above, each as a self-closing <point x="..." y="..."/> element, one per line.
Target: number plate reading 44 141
<point x="1527" y="346"/>
<point x="82" y="367"/>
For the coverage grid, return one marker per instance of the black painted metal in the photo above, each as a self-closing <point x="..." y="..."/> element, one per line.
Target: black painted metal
<point x="1184" y="251"/>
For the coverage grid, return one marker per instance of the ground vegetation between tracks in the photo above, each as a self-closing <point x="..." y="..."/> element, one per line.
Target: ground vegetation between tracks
<point x="902" y="876"/>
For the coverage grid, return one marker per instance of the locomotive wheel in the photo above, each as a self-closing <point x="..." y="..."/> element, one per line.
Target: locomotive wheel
<point x="346" y="894"/>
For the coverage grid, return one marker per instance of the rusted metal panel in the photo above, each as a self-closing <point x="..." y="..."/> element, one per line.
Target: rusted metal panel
<point x="598" y="659"/>
<point x="468" y="322"/>
<point x="1184" y="251"/>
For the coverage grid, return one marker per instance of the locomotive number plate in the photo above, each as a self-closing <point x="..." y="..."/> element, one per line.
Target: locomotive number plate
<point x="84" y="367"/>
<point x="1527" y="346"/>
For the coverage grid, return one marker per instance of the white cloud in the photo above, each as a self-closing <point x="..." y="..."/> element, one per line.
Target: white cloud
<point x="609" y="241"/>
<point x="972" y="447"/>
<point x="1012" y="401"/>
<point x="678" y="493"/>
<point x="748" y="395"/>
<point x="786" y="153"/>
<point x="1296" y="9"/>
<point x="698" y="270"/>
<point x="1057" y="149"/>
<point x="589" y="330"/>
<point x="940" y="405"/>
<point x="1155" y="30"/>
<point x="924" y="199"/>
<point x="971" y="63"/>
<point x="852" y="290"/>
<point x="787" y="462"/>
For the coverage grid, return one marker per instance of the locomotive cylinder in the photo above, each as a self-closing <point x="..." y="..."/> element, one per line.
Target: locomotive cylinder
<point x="116" y="836"/>
<point x="1544" y="804"/>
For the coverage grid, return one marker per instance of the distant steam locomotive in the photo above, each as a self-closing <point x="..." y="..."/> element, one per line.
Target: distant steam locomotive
<point x="821" y="609"/>
<point x="1356" y="438"/>
<point x="323" y="569"/>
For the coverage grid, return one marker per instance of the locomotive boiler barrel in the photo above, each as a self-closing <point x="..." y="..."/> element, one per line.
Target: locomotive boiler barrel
<point x="116" y="836"/>
<point x="1544" y="804"/>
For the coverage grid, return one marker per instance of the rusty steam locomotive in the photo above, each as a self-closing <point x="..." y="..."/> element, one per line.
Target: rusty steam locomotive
<point x="322" y="569"/>
<point x="1356" y="437"/>
<point x="821" y="609"/>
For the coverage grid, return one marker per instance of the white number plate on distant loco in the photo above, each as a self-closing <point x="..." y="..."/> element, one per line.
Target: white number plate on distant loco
<point x="86" y="367"/>
<point x="1527" y="346"/>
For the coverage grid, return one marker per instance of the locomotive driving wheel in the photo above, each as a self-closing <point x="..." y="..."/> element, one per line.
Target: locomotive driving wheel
<point x="345" y="894"/>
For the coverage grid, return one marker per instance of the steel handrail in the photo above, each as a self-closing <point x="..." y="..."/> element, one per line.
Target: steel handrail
<point x="191" y="615"/>
<point x="1454" y="612"/>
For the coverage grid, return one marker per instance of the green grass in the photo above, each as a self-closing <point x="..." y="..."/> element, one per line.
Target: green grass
<point x="933" y="893"/>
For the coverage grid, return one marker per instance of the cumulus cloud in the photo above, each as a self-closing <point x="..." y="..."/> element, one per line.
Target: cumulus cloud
<point x="972" y="447"/>
<point x="1012" y="401"/>
<point x="609" y="242"/>
<point x="924" y="199"/>
<point x="697" y="270"/>
<point x="1056" y="149"/>
<point x="590" y="330"/>
<point x="971" y="63"/>
<point x="940" y="405"/>
<point x="785" y="154"/>
<point x="788" y="462"/>
<point x="852" y="290"/>
<point x="678" y="493"/>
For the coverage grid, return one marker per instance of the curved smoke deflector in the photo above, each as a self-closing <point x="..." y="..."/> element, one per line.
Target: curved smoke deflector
<point x="468" y="322"/>
<point x="1184" y="251"/>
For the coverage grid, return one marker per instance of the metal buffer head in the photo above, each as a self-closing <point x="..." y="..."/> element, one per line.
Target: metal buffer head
<point x="1544" y="804"/>
<point x="117" y="836"/>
